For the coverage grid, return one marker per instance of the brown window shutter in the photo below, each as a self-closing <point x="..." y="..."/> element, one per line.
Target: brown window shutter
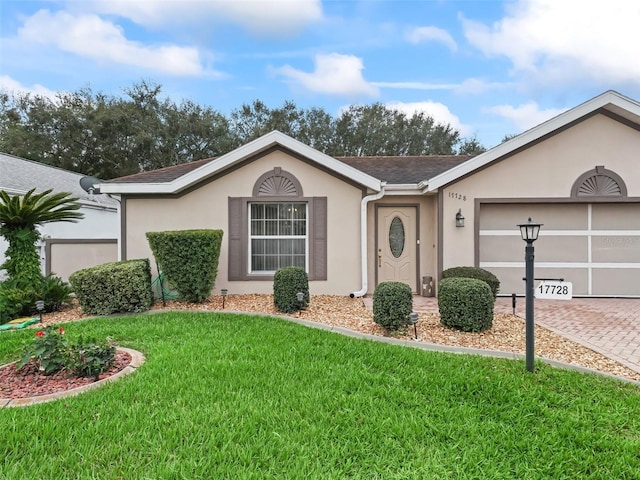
<point x="318" y="254"/>
<point x="235" y="239"/>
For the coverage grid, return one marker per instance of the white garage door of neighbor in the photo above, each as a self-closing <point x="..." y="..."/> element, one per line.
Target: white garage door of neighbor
<point x="596" y="246"/>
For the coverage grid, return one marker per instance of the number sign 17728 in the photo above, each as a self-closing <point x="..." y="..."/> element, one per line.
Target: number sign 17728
<point x="553" y="289"/>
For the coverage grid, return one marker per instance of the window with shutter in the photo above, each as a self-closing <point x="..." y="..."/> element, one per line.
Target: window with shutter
<point x="275" y="228"/>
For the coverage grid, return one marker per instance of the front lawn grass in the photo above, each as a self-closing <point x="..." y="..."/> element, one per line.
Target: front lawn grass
<point x="241" y="397"/>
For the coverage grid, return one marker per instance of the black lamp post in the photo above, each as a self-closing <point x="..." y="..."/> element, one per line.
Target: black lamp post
<point x="529" y="232"/>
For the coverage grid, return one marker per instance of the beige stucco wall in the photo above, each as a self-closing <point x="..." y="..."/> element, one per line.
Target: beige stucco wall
<point x="545" y="170"/>
<point x="427" y="234"/>
<point x="206" y="207"/>
<point x="67" y="258"/>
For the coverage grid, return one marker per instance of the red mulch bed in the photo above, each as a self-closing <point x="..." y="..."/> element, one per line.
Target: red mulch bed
<point x="29" y="382"/>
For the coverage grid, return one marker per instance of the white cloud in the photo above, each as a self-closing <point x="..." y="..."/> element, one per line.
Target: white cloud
<point x="334" y="74"/>
<point x="262" y="17"/>
<point x="90" y="36"/>
<point x="432" y="34"/>
<point x="8" y="84"/>
<point x="563" y="42"/>
<point x="416" y="85"/>
<point x="525" y="116"/>
<point x="438" y="111"/>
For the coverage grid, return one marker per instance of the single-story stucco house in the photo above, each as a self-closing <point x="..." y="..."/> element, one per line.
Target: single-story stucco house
<point x="355" y="222"/>
<point x="65" y="246"/>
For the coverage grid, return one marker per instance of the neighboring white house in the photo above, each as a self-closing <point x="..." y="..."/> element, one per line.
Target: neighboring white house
<point x="65" y="246"/>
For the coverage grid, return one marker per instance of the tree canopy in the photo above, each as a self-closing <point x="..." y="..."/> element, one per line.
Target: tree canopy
<point x="109" y="136"/>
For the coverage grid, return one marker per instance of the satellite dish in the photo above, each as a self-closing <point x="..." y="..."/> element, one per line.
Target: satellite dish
<point x="90" y="185"/>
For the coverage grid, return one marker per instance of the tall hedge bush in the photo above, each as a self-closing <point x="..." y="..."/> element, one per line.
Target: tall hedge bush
<point x="465" y="304"/>
<point x="392" y="304"/>
<point x="287" y="282"/>
<point x="116" y="287"/>
<point x="477" y="273"/>
<point x="189" y="260"/>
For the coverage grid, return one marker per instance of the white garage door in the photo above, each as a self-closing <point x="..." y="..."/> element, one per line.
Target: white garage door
<point x="594" y="245"/>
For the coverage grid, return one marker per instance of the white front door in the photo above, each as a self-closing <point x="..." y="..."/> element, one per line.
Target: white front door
<point x="396" y="256"/>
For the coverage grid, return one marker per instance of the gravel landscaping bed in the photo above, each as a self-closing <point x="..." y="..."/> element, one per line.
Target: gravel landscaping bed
<point x="507" y="333"/>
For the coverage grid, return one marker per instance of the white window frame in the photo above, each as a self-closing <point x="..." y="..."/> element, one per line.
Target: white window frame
<point x="251" y="237"/>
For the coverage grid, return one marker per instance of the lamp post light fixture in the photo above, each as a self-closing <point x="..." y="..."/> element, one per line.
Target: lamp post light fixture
<point x="300" y="298"/>
<point x="529" y="232"/>
<point x="40" y="307"/>
<point x="413" y="318"/>
<point x="459" y="218"/>
<point x="224" y="292"/>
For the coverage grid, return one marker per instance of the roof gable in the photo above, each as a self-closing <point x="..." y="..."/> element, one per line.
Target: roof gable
<point x="176" y="179"/>
<point x="609" y="102"/>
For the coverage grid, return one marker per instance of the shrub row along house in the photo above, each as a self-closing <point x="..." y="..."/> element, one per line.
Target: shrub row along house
<point x="355" y="222"/>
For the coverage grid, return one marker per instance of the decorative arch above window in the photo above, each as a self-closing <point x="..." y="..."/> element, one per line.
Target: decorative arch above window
<point x="277" y="183"/>
<point x="599" y="182"/>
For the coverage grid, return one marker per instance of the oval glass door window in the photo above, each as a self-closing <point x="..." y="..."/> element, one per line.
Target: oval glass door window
<point x="396" y="237"/>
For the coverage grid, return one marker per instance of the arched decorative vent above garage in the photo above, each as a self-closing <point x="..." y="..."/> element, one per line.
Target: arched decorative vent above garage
<point x="277" y="183"/>
<point x="599" y="182"/>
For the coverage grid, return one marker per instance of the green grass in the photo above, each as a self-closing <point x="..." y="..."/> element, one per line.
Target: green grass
<point x="224" y="396"/>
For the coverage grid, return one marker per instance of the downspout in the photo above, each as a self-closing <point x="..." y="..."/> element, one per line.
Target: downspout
<point x="363" y="240"/>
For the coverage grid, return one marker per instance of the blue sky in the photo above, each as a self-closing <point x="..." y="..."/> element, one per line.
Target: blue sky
<point x="489" y="68"/>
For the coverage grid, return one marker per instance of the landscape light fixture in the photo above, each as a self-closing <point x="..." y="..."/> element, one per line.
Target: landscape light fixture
<point x="413" y="318"/>
<point x="300" y="298"/>
<point x="529" y="232"/>
<point x="224" y="292"/>
<point x="40" y="307"/>
<point x="459" y="218"/>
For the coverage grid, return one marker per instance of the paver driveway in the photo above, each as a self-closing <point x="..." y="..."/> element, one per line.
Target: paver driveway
<point x="610" y="326"/>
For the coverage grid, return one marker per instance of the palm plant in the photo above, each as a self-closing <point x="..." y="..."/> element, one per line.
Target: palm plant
<point x="19" y="218"/>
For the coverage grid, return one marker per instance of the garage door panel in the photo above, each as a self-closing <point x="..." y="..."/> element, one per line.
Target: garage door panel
<point x="616" y="281"/>
<point x="552" y="248"/>
<point x="582" y="243"/>
<point x="615" y="216"/>
<point x="511" y="278"/>
<point x="615" y="249"/>
<point x="554" y="217"/>
<point x="501" y="249"/>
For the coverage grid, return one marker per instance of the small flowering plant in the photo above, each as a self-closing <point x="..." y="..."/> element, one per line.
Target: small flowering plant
<point x="49" y="350"/>
<point x="52" y="352"/>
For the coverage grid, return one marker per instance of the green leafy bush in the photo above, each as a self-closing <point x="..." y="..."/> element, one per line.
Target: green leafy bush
<point x="115" y="287"/>
<point x="51" y="352"/>
<point x="189" y="260"/>
<point x="15" y="301"/>
<point x="477" y="273"/>
<point x="287" y="282"/>
<point x="392" y="304"/>
<point x="90" y="357"/>
<point x="55" y="292"/>
<point x="465" y="304"/>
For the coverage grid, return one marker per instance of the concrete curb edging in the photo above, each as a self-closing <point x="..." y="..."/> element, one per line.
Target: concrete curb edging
<point x="137" y="359"/>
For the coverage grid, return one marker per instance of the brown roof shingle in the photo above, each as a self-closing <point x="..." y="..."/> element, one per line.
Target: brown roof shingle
<point x="390" y="169"/>
<point x="409" y="169"/>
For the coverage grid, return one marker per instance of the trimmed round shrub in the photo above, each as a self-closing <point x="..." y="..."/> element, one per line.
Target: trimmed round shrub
<point x="287" y="282"/>
<point x="477" y="273"/>
<point x="465" y="304"/>
<point x="392" y="304"/>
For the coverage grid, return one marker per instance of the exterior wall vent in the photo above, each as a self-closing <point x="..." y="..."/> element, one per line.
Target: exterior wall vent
<point x="599" y="182"/>
<point x="277" y="183"/>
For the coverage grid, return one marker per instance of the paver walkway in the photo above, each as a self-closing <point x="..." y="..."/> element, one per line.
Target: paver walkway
<point x="610" y="326"/>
